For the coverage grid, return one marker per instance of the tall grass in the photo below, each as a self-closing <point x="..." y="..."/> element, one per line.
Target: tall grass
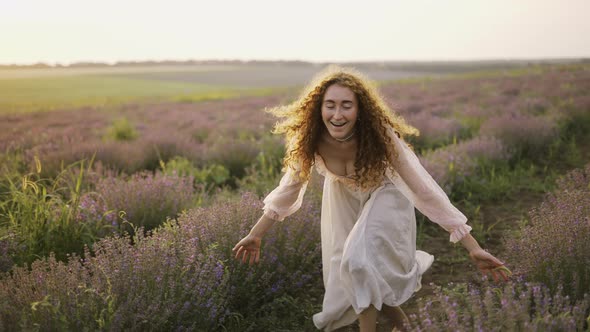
<point x="41" y="216"/>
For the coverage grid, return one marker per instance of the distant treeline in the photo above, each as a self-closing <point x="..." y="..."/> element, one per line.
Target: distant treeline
<point x="429" y="66"/>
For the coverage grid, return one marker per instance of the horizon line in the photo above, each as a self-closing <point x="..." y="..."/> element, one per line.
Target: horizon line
<point x="79" y="63"/>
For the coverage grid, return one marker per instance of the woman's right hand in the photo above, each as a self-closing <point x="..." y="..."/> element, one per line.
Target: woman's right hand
<point x="250" y="245"/>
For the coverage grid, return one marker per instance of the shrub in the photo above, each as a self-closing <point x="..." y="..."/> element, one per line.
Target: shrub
<point x="524" y="135"/>
<point x="8" y="249"/>
<point x="517" y="306"/>
<point x="147" y="198"/>
<point x="264" y="174"/>
<point x="121" y="130"/>
<point x="209" y="176"/>
<point x="183" y="277"/>
<point x="165" y="145"/>
<point x="126" y="157"/>
<point x="553" y="247"/>
<point x="234" y="155"/>
<point x="435" y="131"/>
<point x="453" y="163"/>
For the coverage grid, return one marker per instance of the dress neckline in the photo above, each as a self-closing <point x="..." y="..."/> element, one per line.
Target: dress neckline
<point x="321" y="160"/>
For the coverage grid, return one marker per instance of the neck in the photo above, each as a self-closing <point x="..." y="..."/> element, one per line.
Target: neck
<point x="345" y="139"/>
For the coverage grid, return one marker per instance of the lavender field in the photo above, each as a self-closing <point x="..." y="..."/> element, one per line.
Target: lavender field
<point x="122" y="217"/>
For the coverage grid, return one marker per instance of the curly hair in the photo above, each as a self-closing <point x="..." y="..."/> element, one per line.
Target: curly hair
<point x="303" y="126"/>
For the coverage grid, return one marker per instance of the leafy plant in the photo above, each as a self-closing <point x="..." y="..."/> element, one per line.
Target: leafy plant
<point x="121" y="130"/>
<point x="43" y="217"/>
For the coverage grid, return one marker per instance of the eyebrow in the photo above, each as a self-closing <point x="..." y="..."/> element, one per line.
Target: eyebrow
<point x="332" y="101"/>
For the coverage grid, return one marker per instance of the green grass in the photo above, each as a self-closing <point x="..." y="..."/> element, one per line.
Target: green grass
<point x="33" y="94"/>
<point x="42" y="215"/>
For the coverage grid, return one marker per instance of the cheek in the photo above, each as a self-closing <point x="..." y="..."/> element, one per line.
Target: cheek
<point x="355" y="115"/>
<point x="325" y="115"/>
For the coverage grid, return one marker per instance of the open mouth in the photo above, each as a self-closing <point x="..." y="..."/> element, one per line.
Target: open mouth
<point x="338" y="124"/>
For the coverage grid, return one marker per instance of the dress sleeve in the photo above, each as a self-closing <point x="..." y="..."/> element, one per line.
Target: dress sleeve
<point x="421" y="189"/>
<point x="285" y="199"/>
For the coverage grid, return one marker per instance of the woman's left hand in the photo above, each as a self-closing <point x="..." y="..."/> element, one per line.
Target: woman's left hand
<point x="488" y="264"/>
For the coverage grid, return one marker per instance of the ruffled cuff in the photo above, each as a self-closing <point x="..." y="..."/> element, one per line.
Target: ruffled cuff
<point x="460" y="232"/>
<point x="272" y="214"/>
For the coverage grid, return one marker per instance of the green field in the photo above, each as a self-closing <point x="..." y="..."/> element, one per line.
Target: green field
<point x="46" y="89"/>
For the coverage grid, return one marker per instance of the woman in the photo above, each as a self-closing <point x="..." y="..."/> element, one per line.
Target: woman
<point x="373" y="181"/>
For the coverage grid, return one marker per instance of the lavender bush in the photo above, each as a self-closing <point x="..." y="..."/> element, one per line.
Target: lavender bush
<point x="147" y="198"/>
<point x="234" y="155"/>
<point x="553" y="247"/>
<point x="434" y="130"/>
<point x="128" y="157"/>
<point x="453" y="163"/>
<point x="528" y="135"/>
<point x="8" y="249"/>
<point x="517" y="306"/>
<point x="93" y="208"/>
<point x="183" y="277"/>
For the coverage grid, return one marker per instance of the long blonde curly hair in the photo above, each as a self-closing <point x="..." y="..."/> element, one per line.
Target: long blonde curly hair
<point x="303" y="126"/>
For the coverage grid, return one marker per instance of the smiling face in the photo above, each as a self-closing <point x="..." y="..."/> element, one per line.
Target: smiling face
<point x="339" y="111"/>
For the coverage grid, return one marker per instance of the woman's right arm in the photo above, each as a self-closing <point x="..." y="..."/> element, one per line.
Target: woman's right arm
<point x="250" y="245"/>
<point x="283" y="201"/>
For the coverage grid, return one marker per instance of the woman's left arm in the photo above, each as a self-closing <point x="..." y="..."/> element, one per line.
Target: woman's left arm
<point x="485" y="262"/>
<point x="423" y="191"/>
<point x="429" y="198"/>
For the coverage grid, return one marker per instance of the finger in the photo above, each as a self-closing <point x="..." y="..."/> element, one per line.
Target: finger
<point x="252" y="258"/>
<point x="494" y="275"/>
<point x="245" y="256"/>
<point x="238" y="252"/>
<point x="494" y="261"/>
<point x="257" y="256"/>
<point x="488" y="274"/>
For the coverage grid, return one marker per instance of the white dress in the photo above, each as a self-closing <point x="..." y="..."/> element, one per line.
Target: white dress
<point x="368" y="237"/>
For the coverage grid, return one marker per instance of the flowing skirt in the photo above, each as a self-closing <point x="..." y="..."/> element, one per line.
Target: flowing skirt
<point x="368" y="251"/>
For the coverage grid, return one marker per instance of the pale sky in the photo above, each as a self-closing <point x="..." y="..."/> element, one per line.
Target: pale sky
<point x="66" y="31"/>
